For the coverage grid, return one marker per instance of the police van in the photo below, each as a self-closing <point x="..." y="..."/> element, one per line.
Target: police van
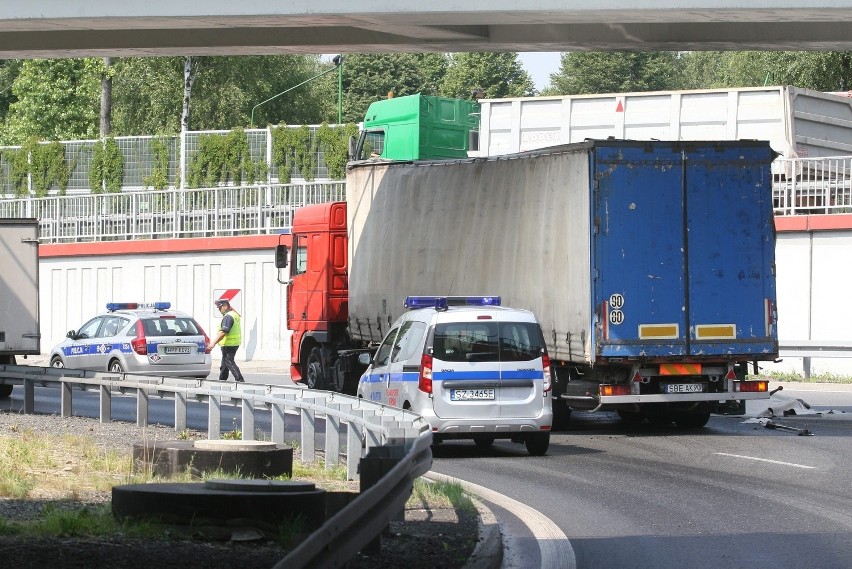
<point x="473" y="369"/>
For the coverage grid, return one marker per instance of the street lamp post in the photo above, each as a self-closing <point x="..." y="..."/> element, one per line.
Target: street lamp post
<point x="338" y="62"/>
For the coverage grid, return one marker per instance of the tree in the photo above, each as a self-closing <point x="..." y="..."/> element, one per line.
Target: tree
<point x="615" y="72"/>
<point x="9" y="70"/>
<point x="819" y="70"/>
<point x="370" y="77"/>
<point x="56" y="99"/>
<point x="148" y="92"/>
<point x="495" y="74"/>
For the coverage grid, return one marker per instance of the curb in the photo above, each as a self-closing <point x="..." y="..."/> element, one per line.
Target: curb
<point x="488" y="553"/>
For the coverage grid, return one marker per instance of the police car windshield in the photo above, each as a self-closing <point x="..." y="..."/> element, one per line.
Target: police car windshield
<point x="177" y="326"/>
<point x="487" y="341"/>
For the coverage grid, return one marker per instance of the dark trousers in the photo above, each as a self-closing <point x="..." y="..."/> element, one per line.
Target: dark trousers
<point x="228" y="364"/>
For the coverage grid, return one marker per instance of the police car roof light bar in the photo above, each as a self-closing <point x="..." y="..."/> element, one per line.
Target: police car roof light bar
<point x="113" y="306"/>
<point x="442" y="302"/>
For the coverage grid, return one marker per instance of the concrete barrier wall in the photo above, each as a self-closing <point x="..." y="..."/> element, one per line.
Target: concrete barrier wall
<point x="78" y="281"/>
<point x="814" y="265"/>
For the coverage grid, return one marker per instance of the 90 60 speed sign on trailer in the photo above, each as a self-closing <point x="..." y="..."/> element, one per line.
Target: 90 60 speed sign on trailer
<point x="650" y="265"/>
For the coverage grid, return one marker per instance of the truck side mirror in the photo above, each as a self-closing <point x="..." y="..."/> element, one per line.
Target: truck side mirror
<point x="282" y="253"/>
<point x="365" y="359"/>
<point x="353" y="144"/>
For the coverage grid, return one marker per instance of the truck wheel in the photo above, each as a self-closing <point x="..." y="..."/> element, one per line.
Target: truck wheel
<point x="561" y="414"/>
<point x="484" y="441"/>
<point x="314" y="378"/>
<point x="5" y="391"/>
<point x="537" y="444"/>
<point x="630" y="416"/>
<point x="692" y="420"/>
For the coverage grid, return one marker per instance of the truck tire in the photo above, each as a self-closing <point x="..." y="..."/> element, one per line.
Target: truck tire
<point x="538" y="443"/>
<point x="561" y="414"/>
<point x="483" y="441"/>
<point x="5" y="391"/>
<point x="313" y="374"/>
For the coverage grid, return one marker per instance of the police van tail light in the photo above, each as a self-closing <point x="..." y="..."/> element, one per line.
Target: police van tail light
<point x="140" y="342"/>
<point x="424" y="384"/>
<point x="545" y="364"/>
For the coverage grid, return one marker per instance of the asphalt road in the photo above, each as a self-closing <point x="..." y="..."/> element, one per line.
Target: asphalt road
<point x="733" y="494"/>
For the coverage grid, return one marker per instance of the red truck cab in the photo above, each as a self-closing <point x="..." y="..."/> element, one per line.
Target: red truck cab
<point x="317" y="294"/>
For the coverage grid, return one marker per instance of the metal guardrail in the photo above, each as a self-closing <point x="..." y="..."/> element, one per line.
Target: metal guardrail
<point x="205" y="212"/>
<point x="807" y="349"/>
<point x="368" y="425"/>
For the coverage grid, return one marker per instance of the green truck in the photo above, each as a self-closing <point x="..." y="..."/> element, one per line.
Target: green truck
<point x="417" y="127"/>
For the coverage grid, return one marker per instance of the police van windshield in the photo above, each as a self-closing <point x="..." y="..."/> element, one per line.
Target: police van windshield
<point x="487" y="341"/>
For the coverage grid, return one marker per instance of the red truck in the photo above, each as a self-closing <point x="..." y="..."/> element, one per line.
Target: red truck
<point x="323" y="355"/>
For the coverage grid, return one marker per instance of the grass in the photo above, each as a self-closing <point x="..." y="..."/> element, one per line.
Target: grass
<point x="790" y="376"/>
<point x="64" y="470"/>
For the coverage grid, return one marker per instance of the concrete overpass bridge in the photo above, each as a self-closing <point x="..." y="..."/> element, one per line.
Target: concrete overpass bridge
<point x="66" y="28"/>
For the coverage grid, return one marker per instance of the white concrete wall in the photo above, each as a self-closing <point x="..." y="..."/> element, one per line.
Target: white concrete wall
<point x="74" y="289"/>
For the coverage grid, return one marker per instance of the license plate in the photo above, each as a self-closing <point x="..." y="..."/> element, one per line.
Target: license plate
<point x="471" y="394"/>
<point x="683" y="388"/>
<point x="178" y="350"/>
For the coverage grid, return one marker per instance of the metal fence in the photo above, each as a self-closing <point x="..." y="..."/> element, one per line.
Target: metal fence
<point x="138" y="159"/>
<point x="812" y="185"/>
<point x="224" y="211"/>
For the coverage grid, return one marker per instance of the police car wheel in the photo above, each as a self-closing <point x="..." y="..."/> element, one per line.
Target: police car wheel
<point x="538" y="443"/>
<point x="115" y="367"/>
<point x="314" y="378"/>
<point x="57" y="362"/>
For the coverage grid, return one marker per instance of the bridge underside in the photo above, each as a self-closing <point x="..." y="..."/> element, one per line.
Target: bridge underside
<point x="48" y="30"/>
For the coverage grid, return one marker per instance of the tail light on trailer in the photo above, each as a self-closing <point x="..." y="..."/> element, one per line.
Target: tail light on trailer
<point x="140" y="342"/>
<point x="424" y="384"/>
<point x="608" y="390"/>
<point x="759" y="386"/>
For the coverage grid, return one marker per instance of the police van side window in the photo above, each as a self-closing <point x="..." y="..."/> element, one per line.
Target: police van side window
<point x="520" y="341"/>
<point x="383" y="353"/>
<point x="410" y="334"/>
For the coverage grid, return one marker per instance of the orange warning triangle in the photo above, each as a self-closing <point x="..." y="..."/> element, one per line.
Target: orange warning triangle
<point x="620" y="107"/>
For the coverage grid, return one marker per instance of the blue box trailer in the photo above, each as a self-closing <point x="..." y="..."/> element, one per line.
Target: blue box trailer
<point x="650" y="264"/>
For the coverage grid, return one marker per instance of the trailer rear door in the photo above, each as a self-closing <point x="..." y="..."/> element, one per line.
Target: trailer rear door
<point x="684" y="249"/>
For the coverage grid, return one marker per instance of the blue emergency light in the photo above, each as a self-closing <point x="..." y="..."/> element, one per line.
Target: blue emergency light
<point x="442" y="302"/>
<point x="113" y="306"/>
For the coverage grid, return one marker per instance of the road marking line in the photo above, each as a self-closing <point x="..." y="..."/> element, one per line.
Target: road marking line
<point x="556" y="550"/>
<point x="766" y="460"/>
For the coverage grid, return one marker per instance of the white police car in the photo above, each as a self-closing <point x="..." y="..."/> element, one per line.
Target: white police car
<point x="473" y="369"/>
<point x="137" y="338"/>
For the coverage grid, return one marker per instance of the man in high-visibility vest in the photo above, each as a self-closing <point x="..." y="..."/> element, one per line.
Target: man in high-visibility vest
<point x="229" y="337"/>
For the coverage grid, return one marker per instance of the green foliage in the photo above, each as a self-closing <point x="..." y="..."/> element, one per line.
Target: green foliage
<point x="496" y="74"/>
<point x="615" y="72"/>
<point x="107" y="168"/>
<point x="56" y="99"/>
<point x="224" y="158"/>
<point x="44" y="164"/>
<point x="370" y="77"/>
<point x="292" y="151"/>
<point x="148" y="92"/>
<point x="818" y="70"/>
<point x="158" y="177"/>
<point x="334" y="143"/>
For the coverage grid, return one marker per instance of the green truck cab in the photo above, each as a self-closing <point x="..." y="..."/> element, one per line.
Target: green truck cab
<point x="417" y="127"/>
